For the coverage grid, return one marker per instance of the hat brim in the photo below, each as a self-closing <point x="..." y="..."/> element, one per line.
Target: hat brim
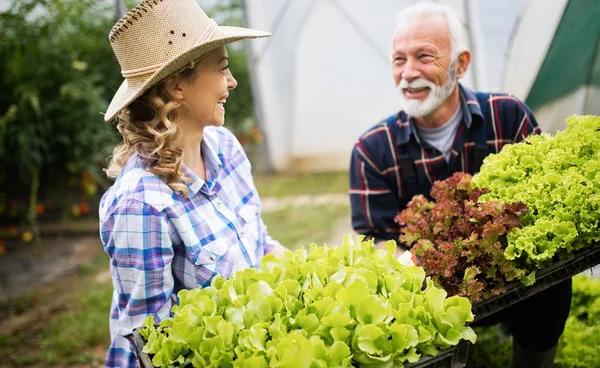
<point x="133" y="88"/>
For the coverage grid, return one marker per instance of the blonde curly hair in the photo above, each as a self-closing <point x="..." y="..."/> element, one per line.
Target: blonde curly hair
<point x="150" y="127"/>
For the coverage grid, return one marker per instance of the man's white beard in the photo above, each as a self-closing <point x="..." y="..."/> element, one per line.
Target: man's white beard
<point x="437" y="94"/>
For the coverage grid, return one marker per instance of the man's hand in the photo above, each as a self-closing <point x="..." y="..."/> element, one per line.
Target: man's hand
<point x="407" y="259"/>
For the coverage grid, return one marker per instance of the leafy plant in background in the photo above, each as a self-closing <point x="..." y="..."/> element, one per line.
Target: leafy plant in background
<point x="557" y="177"/>
<point x="577" y="347"/>
<point x="493" y="348"/>
<point x="460" y="242"/>
<point x="58" y="73"/>
<point x="330" y="307"/>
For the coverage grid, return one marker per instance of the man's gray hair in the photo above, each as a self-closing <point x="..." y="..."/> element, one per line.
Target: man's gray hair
<point x="458" y="42"/>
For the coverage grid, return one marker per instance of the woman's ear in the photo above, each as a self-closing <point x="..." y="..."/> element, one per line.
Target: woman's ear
<point x="173" y="87"/>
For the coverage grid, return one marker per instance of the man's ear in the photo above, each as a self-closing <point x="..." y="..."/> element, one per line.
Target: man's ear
<point x="173" y="87"/>
<point x="462" y="63"/>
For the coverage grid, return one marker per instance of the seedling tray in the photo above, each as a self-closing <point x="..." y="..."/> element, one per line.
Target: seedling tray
<point x="454" y="357"/>
<point x="545" y="278"/>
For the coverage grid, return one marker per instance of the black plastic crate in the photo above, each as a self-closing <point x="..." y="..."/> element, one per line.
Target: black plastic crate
<point x="143" y="359"/>
<point x="576" y="263"/>
<point x="454" y="357"/>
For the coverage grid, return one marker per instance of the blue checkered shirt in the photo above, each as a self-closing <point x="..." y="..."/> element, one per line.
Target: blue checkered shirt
<point x="159" y="243"/>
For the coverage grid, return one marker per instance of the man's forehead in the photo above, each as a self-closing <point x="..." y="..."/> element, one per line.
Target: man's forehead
<point x="425" y="30"/>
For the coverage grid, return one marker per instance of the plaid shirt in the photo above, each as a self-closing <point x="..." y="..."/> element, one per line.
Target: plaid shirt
<point x="377" y="190"/>
<point x="159" y="243"/>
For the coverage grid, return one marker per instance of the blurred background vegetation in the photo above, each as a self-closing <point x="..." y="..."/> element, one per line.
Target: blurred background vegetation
<point x="58" y="76"/>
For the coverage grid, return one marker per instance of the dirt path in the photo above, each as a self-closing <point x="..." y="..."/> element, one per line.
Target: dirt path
<point x="37" y="280"/>
<point x="26" y="268"/>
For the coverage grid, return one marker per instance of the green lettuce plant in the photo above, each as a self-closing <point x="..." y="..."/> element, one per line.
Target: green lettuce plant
<point x="557" y="178"/>
<point x="351" y="305"/>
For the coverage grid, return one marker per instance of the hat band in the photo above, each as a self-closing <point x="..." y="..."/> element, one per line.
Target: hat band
<point x="141" y="71"/>
<point x="209" y="32"/>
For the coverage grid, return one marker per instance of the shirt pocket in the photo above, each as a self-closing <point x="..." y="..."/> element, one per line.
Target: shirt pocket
<point x="250" y="232"/>
<point x="210" y="253"/>
<point x="209" y="260"/>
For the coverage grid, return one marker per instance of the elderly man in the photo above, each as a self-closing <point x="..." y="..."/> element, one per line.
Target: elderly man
<point x="445" y="128"/>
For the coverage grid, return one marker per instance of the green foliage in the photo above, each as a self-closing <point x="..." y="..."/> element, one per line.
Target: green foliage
<point x="330" y="307"/>
<point x="557" y="178"/>
<point x="577" y="347"/>
<point x="58" y="74"/>
<point x="491" y="349"/>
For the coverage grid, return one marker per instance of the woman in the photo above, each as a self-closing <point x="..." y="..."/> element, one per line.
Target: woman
<point x="183" y="208"/>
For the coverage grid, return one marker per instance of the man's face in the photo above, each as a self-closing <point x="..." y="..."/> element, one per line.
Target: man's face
<point x="422" y="64"/>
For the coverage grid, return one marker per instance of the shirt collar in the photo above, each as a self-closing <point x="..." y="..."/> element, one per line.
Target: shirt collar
<point x="212" y="164"/>
<point x="469" y="106"/>
<point x="134" y="162"/>
<point x="211" y="149"/>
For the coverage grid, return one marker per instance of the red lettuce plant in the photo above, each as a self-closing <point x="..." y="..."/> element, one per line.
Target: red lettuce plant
<point x="460" y="242"/>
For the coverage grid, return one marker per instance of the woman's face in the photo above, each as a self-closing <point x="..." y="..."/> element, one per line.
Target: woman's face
<point x="203" y="96"/>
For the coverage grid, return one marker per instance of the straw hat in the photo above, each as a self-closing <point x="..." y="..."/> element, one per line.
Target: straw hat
<point x="158" y="38"/>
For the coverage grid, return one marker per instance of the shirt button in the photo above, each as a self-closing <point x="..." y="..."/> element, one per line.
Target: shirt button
<point x="212" y="258"/>
<point x="242" y="234"/>
<point x="219" y="205"/>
